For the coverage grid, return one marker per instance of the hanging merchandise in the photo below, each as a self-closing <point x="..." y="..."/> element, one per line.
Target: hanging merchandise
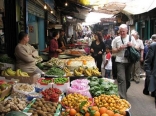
<point x="79" y="27"/>
<point x="85" y="2"/>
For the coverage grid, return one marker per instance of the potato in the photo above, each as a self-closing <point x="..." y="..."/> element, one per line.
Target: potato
<point x="38" y="108"/>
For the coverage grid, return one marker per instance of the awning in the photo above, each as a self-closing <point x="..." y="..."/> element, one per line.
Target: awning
<point x="139" y="6"/>
<point x="115" y="6"/>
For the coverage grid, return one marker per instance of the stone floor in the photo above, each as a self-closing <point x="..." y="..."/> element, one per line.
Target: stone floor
<point x="142" y="105"/>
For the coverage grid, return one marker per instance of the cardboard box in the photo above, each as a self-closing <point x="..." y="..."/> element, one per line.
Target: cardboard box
<point x="5" y="92"/>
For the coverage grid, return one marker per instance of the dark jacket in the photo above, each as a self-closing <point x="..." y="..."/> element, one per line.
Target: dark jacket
<point x="150" y="66"/>
<point x="97" y="48"/>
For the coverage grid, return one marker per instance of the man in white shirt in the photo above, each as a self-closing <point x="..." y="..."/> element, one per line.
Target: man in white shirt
<point x="119" y="46"/>
<point x="136" y="66"/>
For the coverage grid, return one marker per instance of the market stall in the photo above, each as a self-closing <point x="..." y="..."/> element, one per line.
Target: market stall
<point x="70" y="87"/>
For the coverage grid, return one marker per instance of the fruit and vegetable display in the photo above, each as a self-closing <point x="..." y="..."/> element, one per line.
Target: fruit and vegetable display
<point x="23" y="88"/>
<point x="112" y="102"/>
<point x="85" y="61"/>
<point x="10" y="72"/>
<point x="51" y="94"/>
<point x="83" y="71"/>
<point x="60" y="80"/>
<point x="43" y="108"/>
<point x="99" y="86"/>
<point x="74" y="100"/>
<point x="13" y="104"/>
<point x="90" y="111"/>
<point x="55" y="71"/>
<point x="6" y="59"/>
<point x="80" y="86"/>
<point x="44" y="81"/>
<point x="53" y="62"/>
<point x="3" y="85"/>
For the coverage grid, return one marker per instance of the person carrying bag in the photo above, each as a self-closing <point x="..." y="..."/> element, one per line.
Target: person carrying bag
<point x="131" y="53"/>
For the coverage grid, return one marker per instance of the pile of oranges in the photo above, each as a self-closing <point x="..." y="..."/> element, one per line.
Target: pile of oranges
<point x="91" y="111"/>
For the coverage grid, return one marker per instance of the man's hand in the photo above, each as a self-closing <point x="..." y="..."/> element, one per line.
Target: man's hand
<point x="129" y="44"/>
<point x="122" y="47"/>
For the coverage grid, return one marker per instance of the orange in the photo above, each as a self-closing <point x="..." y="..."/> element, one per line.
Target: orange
<point x="102" y="110"/>
<point x="104" y="114"/>
<point x="95" y="108"/>
<point x="117" y="114"/>
<point x="87" y="114"/>
<point x="78" y="114"/>
<point x="97" y="113"/>
<point x="72" y="112"/>
<point x="123" y="112"/>
<point x="110" y="113"/>
<point x="85" y="109"/>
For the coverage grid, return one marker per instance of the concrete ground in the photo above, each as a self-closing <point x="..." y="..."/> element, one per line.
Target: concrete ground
<point x="142" y="105"/>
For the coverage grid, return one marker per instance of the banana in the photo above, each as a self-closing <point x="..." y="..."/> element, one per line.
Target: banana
<point x="69" y="74"/>
<point x="6" y="74"/>
<point x="24" y="74"/>
<point x="96" y="73"/>
<point x="87" y="73"/>
<point x="66" y="69"/>
<point x="81" y="69"/>
<point x="2" y="73"/>
<point x="10" y="72"/>
<point x="18" y="72"/>
<point x="76" y="73"/>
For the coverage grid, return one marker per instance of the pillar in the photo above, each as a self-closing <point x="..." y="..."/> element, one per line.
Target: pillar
<point x="41" y="34"/>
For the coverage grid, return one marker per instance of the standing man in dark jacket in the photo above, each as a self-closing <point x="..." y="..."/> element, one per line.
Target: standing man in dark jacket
<point x="150" y="69"/>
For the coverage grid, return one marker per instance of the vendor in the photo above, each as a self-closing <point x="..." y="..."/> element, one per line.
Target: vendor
<point x="53" y="47"/>
<point x="25" y="55"/>
<point x="62" y="39"/>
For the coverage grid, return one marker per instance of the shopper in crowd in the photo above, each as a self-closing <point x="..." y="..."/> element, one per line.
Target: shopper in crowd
<point x="62" y="41"/>
<point x="147" y="44"/>
<point x="25" y="55"/>
<point x="108" y="62"/>
<point x="123" y="66"/>
<point x="136" y="68"/>
<point x="150" y="69"/>
<point x="53" y="47"/>
<point x="108" y="41"/>
<point x="97" y="48"/>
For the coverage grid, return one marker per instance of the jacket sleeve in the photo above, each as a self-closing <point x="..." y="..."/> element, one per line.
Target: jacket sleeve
<point x="148" y="61"/>
<point x="34" y="51"/>
<point x="22" y="54"/>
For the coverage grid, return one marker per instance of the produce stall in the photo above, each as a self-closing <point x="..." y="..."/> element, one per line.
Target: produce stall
<point x="70" y="87"/>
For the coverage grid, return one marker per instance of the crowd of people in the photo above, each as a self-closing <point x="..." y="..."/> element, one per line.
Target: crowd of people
<point x="108" y="54"/>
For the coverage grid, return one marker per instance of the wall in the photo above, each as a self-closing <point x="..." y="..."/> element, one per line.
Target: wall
<point x="33" y="32"/>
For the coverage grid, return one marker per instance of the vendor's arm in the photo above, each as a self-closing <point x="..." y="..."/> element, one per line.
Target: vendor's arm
<point x="34" y="52"/>
<point x="22" y="54"/>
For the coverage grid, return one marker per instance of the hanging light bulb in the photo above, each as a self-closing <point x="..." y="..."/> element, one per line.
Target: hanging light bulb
<point x="45" y="7"/>
<point x="66" y="4"/>
<point x="51" y="11"/>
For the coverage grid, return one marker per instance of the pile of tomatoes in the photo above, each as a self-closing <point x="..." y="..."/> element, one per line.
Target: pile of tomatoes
<point x="51" y="94"/>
